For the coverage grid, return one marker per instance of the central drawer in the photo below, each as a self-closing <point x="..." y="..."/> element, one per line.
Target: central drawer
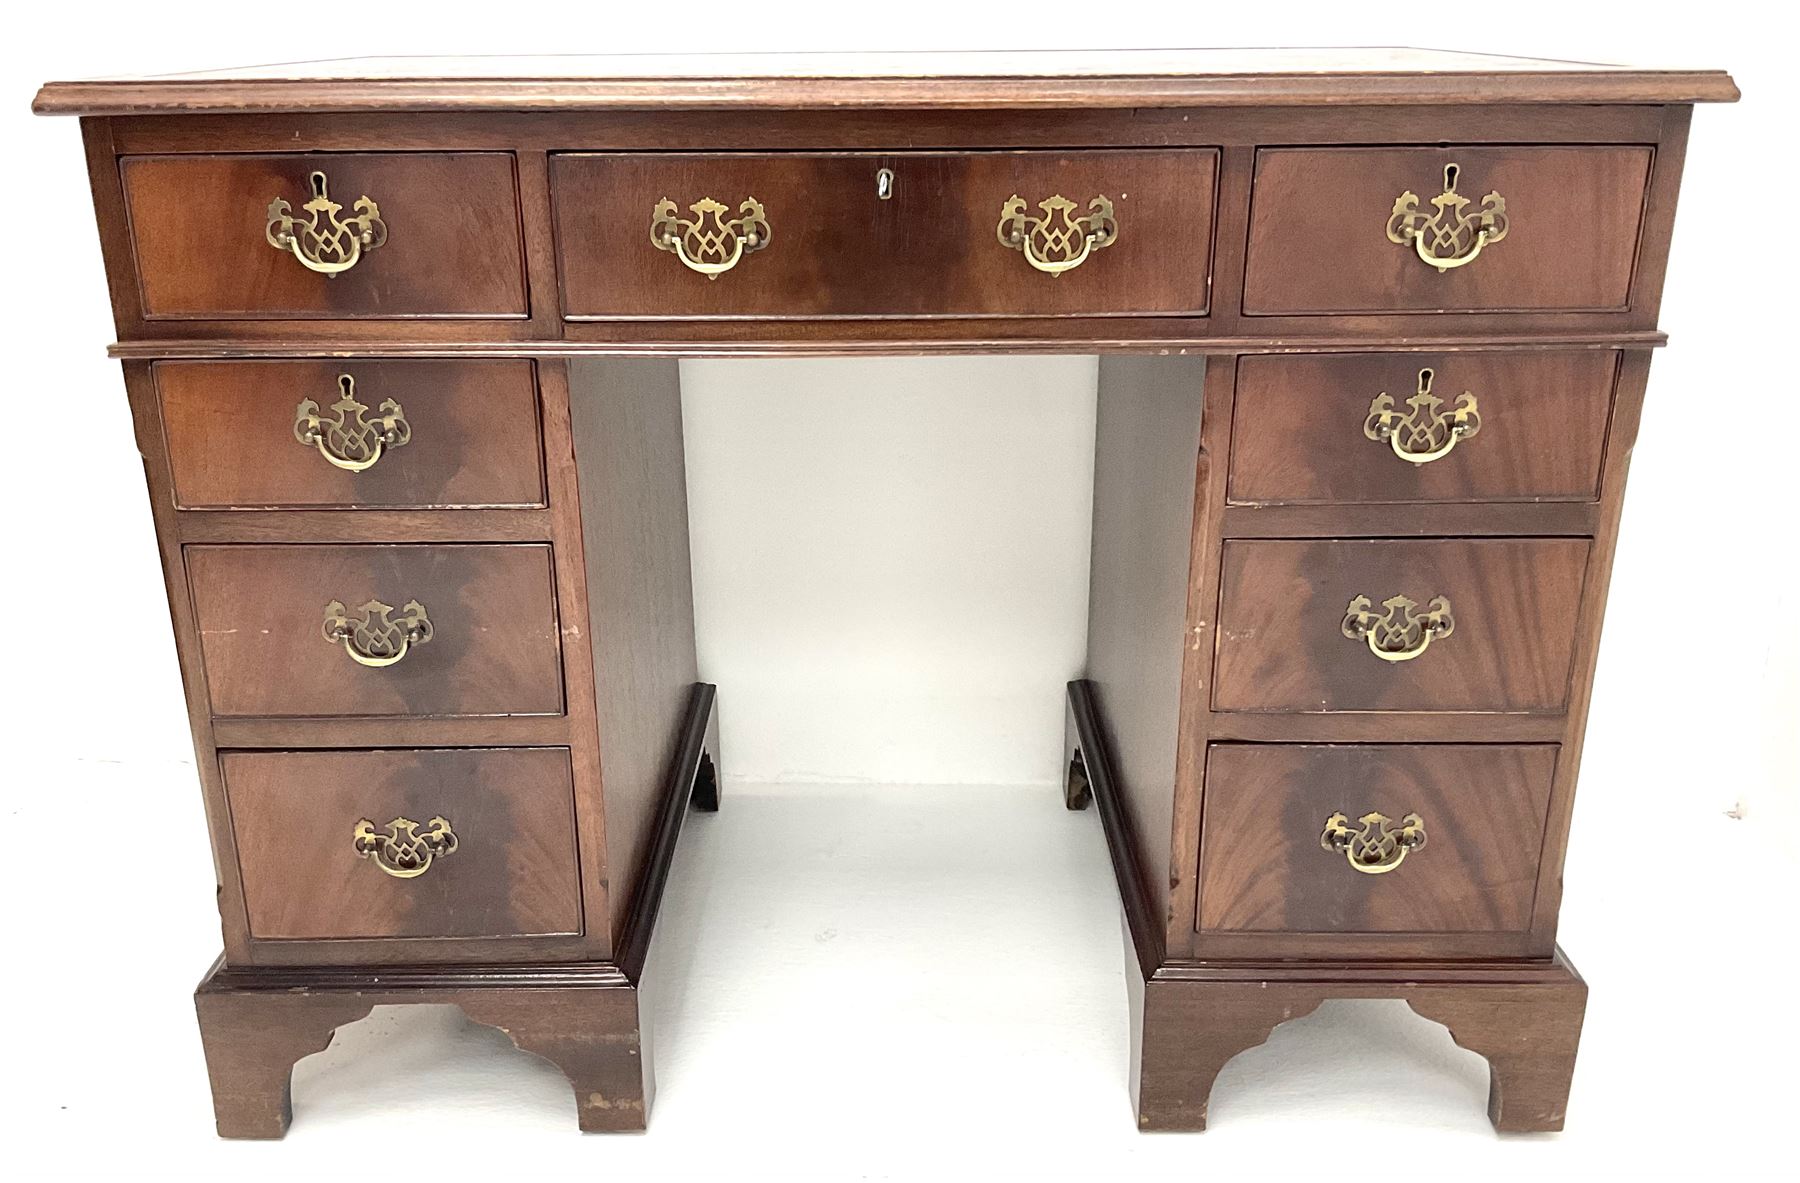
<point x="432" y="843"/>
<point x="359" y="631"/>
<point x="1105" y="233"/>
<point x="1438" y="625"/>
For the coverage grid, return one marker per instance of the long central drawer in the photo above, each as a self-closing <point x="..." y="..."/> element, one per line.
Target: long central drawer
<point x="850" y="234"/>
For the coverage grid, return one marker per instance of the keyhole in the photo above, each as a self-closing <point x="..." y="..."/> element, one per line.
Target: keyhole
<point x="884" y="183"/>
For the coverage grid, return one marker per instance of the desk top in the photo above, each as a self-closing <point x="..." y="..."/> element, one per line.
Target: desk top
<point x="1039" y="79"/>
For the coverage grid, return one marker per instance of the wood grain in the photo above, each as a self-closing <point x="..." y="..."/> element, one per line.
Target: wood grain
<point x="495" y="648"/>
<point x="836" y="249"/>
<point x="1146" y="460"/>
<point x="626" y="422"/>
<point x="513" y="872"/>
<point x="1282" y="605"/>
<point x="474" y="434"/>
<point x="453" y="249"/>
<point x="1318" y="240"/>
<point x="1298" y="437"/>
<point x="1483" y="807"/>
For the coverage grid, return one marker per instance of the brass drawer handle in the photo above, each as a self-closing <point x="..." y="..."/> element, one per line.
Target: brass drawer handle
<point x="324" y="242"/>
<point x="402" y="851"/>
<point x="1056" y="243"/>
<point x="709" y="243"/>
<point x="377" y="640"/>
<point x="350" y="441"/>
<point x="1377" y="848"/>
<point x="1427" y="431"/>
<point x="1400" y="633"/>
<point x="1452" y="234"/>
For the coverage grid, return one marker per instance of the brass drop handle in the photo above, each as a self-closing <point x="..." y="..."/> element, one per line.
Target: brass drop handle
<point x="709" y="242"/>
<point x="376" y="639"/>
<point x="1452" y="235"/>
<point x="348" y="440"/>
<point x="403" y="851"/>
<point x="1401" y="633"/>
<point x="323" y="241"/>
<point x="1056" y="242"/>
<point x="1427" y="431"/>
<point x="1379" y="846"/>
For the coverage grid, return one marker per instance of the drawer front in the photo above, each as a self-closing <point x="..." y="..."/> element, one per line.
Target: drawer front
<point x="438" y="843"/>
<point x="1484" y="625"/>
<point x="1403" y="427"/>
<point x="442" y="231"/>
<point x="364" y="434"/>
<point x="1320" y="222"/>
<point x="358" y="631"/>
<point x="1289" y="843"/>
<point x="830" y="245"/>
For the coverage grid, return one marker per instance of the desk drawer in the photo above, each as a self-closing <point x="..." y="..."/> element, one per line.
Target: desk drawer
<point x="444" y="240"/>
<point x="360" y="631"/>
<point x="1403" y="427"/>
<point x="1441" y="625"/>
<point x="1320" y="222"/>
<point x="1476" y="814"/>
<point x="827" y="243"/>
<point x="436" y="843"/>
<point x="364" y="434"/>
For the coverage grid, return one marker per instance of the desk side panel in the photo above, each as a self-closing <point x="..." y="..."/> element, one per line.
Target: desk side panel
<point x="626" y="415"/>
<point x="1146" y="454"/>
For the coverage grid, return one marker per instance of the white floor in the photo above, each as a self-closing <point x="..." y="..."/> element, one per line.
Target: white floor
<point x="886" y="982"/>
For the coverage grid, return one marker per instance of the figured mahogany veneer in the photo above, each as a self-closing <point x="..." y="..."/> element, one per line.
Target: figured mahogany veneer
<point x="1250" y="303"/>
<point x="453" y="247"/>
<point x="1298" y="431"/>
<point x="838" y="248"/>
<point x="495" y="648"/>
<point x="513" y="872"/>
<point x="1483" y="806"/>
<point x="1575" y="214"/>
<point x="1282" y="607"/>
<point x="473" y="434"/>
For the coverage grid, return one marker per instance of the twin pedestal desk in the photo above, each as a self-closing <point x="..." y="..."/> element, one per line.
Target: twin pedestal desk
<point x="401" y="338"/>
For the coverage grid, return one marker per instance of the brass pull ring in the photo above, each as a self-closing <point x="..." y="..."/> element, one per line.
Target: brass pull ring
<point x="324" y="242"/>
<point x="709" y="242"/>
<point x="1056" y="242"/>
<point x="403" y="851"/>
<point x="349" y="441"/>
<point x="1426" y="432"/>
<point x="1401" y="633"/>
<point x="1452" y="235"/>
<point x="377" y="640"/>
<point x="1378" y="847"/>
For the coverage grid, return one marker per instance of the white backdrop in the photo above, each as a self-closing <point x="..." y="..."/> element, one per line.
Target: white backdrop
<point x="890" y="578"/>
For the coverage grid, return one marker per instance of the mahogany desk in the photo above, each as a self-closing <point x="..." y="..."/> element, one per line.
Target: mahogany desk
<point x="401" y="339"/>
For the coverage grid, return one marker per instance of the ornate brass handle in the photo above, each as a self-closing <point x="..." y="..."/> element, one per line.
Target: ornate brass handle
<point x="403" y="851"/>
<point x="709" y="242"/>
<point x="324" y="242"/>
<point x="1056" y="242"/>
<point x="377" y="640"/>
<point x="1452" y="234"/>
<point x="1377" y="848"/>
<point x="1426" y="432"/>
<point x="350" y="441"/>
<point x="1401" y="633"/>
